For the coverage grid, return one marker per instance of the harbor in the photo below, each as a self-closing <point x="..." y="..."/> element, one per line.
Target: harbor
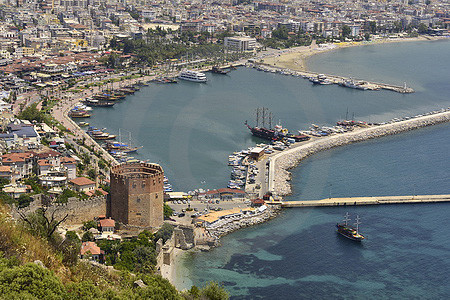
<point x="264" y="168"/>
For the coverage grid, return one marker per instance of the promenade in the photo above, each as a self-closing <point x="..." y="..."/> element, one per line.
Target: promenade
<point x="412" y="199"/>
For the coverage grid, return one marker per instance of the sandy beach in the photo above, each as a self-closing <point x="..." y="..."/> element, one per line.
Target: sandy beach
<point x="174" y="272"/>
<point x="295" y="58"/>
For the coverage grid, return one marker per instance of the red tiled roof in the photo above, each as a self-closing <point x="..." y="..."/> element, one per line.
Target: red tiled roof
<point x="107" y="223"/>
<point x="5" y="168"/>
<point x="258" y="201"/>
<point x="44" y="162"/>
<point x="225" y="190"/>
<point x="90" y="247"/>
<point x="16" y="157"/>
<point x="68" y="160"/>
<point x="80" y="181"/>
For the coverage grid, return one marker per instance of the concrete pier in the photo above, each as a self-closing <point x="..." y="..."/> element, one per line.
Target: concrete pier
<point x="415" y="199"/>
<point x="338" y="79"/>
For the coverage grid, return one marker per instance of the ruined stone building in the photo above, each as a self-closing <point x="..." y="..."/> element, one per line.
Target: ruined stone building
<point x="136" y="196"/>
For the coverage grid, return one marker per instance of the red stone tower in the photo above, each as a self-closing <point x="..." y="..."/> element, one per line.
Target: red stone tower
<point x="136" y="196"/>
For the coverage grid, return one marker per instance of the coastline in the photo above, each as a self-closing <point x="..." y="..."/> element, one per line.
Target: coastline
<point x="296" y="59"/>
<point x="175" y="273"/>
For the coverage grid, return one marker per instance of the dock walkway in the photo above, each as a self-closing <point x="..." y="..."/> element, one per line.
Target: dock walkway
<point x="337" y="79"/>
<point x="414" y="199"/>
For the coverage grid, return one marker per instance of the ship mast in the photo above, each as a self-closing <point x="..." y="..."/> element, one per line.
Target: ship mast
<point x="346" y="219"/>
<point x="357" y="224"/>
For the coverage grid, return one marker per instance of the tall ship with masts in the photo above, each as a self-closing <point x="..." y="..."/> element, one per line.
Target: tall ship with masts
<point x="264" y="130"/>
<point x="348" y="231"/>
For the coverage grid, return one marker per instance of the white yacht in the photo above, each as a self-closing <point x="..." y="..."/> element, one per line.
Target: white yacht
<point x="192" y="76"/>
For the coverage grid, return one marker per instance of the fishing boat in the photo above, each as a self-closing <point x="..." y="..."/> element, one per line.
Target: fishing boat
<point x="218" y="70"/>
<point x="165" y="80"/>
<point x="348" y="231"/>
<point x="99" y="103"/>
<point x="79" y="114"/>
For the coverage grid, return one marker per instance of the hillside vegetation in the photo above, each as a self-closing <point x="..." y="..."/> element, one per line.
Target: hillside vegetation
<point x="33" y="267"/>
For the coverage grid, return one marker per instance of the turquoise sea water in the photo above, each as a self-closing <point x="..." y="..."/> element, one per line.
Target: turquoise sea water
<point x="191" y="129"/>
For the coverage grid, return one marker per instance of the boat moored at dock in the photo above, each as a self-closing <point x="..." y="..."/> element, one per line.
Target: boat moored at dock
<point x="193" y="76"/>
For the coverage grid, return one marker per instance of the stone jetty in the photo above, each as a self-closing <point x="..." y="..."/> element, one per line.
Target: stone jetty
<point x="279" y="176"/>
<point x="242" y="222"/>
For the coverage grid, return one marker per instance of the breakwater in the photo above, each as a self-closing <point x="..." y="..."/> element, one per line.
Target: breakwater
<point x="412" y="199"/>
<point x="334" y="79"/>
<point x="225" y="227"/>
<point x="279" y="164"/>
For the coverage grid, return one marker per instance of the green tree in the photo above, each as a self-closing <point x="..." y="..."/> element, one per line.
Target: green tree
<point x="87" y="237"/>
<point x="92" y="174"/>
<point x="157" y="288"/>
<point x="280" y="33"/>
<point x="89" y="224"/>
<point x="367" y="36"/>
<point x="422" y="28"/>
<point x="213" y="291"/>
<point x="168" y="211"/>
<point x="346" y="31"/>
<point x="31" y="113"/>
<point x="24" y="200"/>
<point x="145" y="259"/>
<point x="42" y="223"/>
<point x="29" y="281"/>
<point x="373" y="27"/>
<point x="165" y="232"/>
<point x="65" y="195"/>
<point x="70" y="247"/>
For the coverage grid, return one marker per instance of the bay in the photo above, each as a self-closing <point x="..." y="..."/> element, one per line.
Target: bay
<point x="192" y="128"/>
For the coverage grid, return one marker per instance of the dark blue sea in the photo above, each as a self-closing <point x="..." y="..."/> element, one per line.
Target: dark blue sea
<point x="192" y="128"/>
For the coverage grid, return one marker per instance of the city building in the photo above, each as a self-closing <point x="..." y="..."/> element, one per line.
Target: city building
<point x="238" y="43"/>
<point x="136" y="196"/>
<point x="82" y="184"/>
<point x="90" y="250"/>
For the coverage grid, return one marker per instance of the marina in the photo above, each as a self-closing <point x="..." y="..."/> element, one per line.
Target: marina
<point x="326" y="79"/>
<point x="262" y="169"/>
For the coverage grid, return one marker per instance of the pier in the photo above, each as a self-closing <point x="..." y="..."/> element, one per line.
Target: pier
<point x="414" y="199"/>
<point x="335" y="79"/>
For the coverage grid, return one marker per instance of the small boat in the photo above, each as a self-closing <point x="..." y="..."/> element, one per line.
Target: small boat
<point x="83" y="124"/>
<point x="79" y="114"/>
<point x="99" y="103"/>
<point x="219" y="70"/>
<point x="348" y="231"/>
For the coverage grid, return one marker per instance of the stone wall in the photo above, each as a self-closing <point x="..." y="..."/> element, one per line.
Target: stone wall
<point x="78" y="211"/>
<point x="183" y="237"/>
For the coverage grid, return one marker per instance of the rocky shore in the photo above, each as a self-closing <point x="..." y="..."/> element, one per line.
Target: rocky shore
<point x="245" y="221"/>
<point x="288" y="159"/>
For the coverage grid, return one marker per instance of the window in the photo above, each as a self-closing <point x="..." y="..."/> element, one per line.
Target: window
<point x="138" y="200"/>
